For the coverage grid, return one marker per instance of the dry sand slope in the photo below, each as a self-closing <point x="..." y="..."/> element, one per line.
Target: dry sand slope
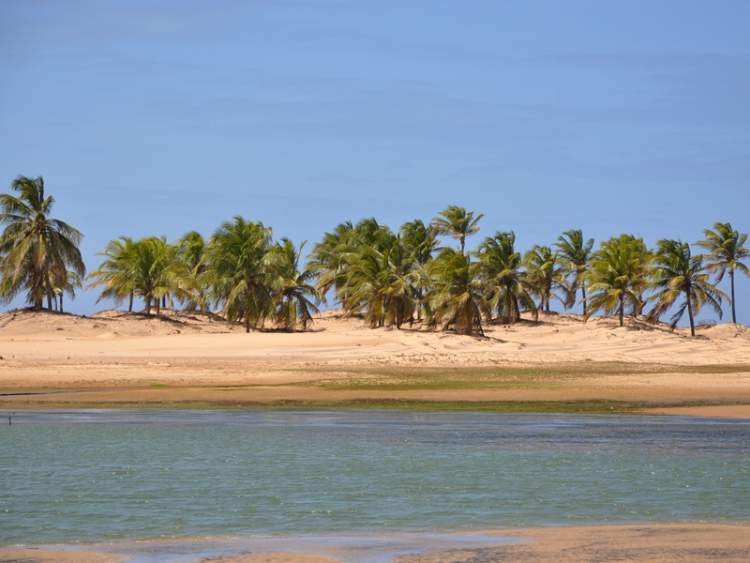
<point x="95" y="359"/>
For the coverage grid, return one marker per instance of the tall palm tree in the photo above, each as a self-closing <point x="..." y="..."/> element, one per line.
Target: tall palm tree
<point x="419" y="243"/>
<point x="117" y="271"/>
<point x="294" y="296"/>
<point x="191" y="251"/>
<point x="237" y="274"/>
<point x="543" y="273"/>
<point x="506" y="286"/>
<point x="458" y="223"/>
<point x="726" y="253"/>
<point x="456" y="298"/>
<point x="37" y="252"/>
<point x="574" y="252"/>
<point x="618" y="275"/>
<point x="679" y="274"/>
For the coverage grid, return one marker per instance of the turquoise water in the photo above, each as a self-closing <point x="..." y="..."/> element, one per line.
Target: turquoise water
<point x="103" y="475"/>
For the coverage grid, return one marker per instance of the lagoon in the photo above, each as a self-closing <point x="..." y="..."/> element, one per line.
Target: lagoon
<point x="96" y="475"/>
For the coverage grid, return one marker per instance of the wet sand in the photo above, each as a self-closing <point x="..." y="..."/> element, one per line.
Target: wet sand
<point x="695" y="542"/>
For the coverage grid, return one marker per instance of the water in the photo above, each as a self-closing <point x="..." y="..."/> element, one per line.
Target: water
<point x="106" y="475"/>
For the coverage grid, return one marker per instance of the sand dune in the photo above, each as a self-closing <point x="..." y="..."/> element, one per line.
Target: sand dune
<point x="336" y="339"/>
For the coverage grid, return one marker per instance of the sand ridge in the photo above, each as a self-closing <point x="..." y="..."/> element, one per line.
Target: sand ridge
<point x="115" y="358"/>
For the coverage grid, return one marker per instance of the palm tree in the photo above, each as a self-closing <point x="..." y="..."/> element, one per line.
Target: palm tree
<point x="36" y="251"/>
<point x="419" y="242"/>
<point x="506" y="286"/>
<point x="574" y="253"/>
<point x="191" y="251"/>
<point x="456" y="297"/>
<point x="678" y="274"/>
<point x="726" y="252"/>
<point x="618" y="274"/>
<point x="117" y="272"/>
<point x="457" y="223"/>
<point x="328" y="258"/>
<point x="380" y="283"/>
<point x="157" y="273"/>
<point x="237" y="274"/>
<point x="543" y="273"/>
<point x="292" y="286"/>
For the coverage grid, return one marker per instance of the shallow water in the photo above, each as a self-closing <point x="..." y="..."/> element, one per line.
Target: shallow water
<point x="103" y="475"/>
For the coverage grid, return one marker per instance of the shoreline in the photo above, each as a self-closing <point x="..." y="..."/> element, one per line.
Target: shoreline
<point x="739" y="412"/>
<point x="661" y="541"/>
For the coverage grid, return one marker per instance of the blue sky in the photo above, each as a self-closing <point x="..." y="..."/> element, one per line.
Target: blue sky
<point x="160" y="117"/>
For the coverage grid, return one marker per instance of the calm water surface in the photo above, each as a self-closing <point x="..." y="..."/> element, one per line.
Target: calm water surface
<point x="103" y="475"/>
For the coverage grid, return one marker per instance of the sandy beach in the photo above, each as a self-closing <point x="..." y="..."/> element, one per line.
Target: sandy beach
<point x="115" y="359"/>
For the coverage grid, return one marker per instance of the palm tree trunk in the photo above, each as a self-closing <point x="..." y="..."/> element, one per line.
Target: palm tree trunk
<point x="61" y="303"/>
<point x="731" y="282"/>
<point x="130" y="303"/>
<point x="158" y="306"/>
<point x="622" y="310"/>
<point x="49" y="302"/>
<point x="38" y="302"/>
<point x="247" y="322"/>
<point x="690" y="313"/>
<point x="147" y="300"/>
<point x="583" y="295"/>
<point x="463" y="244"/>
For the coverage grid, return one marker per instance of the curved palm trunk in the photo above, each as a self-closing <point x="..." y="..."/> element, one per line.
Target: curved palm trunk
<point x="731" y="282"/>
<point x="622" y="310"/>
<point x="690" y="313"/>
<point x="130" y="303"/>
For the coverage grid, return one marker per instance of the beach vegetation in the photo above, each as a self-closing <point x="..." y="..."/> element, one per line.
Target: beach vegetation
<point x="39" y="254"/>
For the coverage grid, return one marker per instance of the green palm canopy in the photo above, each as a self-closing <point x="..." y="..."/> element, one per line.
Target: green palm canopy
<point x="458" y="223"/>
<point x="575" y="252"/>
<point x="618" y="275"/>
<point x="237" y="277"/>
<point x="506" y="286"/>
<point x="726" y="253"/>
<point x="677" y="274"/>
<point x="39" y="254"/>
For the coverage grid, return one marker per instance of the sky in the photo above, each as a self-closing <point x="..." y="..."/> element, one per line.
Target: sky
<point x="155" y="118"/>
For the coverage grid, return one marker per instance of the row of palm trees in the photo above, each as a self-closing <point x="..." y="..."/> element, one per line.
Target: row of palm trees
<point x="393" y="277"/>
<point x="390" y="278"/>
<point x="240" y="270"/>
